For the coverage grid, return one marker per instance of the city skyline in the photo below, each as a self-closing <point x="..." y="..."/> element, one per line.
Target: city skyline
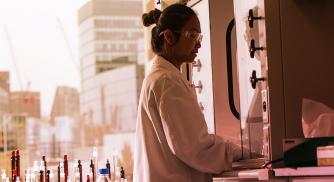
<point x="43" y="36"/>
<point x="46" y="51"/>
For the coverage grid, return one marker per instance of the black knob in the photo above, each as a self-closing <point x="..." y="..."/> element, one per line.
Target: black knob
<point x="264" y="106"/>
<point x="253" y="79"/>
<point x="253" y="49"/>
<point x="251" y="18"/>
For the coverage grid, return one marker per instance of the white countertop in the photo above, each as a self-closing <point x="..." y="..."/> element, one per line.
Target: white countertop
<point x="266" y="174"/>
<point x="305" y="171"/>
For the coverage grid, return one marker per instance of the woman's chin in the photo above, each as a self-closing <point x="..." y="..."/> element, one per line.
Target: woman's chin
<point x="192" y="58"/>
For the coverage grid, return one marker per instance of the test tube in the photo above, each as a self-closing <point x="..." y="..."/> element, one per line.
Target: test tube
<point x="92" y="169"/>
<point x="12" y="159"/>
<point x="41" y="176"/>
<point x="95" y="157"/>
<point x="17" y="162"/>
<point x="65" y="167"/>
<point x="44" y="161"/>
<point x="108" y="167"/>
<point x="80" y="170"/>
<point x="58" y="172"/>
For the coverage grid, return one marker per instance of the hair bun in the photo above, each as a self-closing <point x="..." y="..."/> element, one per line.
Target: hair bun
<point x="151" y="18"/>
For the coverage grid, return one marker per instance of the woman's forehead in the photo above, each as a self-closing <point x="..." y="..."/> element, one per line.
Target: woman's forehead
<point x="193" y="24"/>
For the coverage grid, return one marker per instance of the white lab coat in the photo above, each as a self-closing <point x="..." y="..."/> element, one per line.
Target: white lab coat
<point x="172" y="141"/>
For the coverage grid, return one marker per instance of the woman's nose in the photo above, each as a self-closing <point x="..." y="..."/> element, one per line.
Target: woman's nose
<point x="198" y="44"/>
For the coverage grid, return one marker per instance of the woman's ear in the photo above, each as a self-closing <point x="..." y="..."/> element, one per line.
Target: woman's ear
<point x="169" y="37"/>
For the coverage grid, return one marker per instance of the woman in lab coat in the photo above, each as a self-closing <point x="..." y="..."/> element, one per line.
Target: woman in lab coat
<point x="172" y="139"/>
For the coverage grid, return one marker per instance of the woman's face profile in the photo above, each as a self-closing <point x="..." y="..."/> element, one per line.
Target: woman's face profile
<point x="186" y="48"/>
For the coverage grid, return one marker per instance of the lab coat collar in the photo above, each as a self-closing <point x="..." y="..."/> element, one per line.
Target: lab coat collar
<point x="162" y="62"/>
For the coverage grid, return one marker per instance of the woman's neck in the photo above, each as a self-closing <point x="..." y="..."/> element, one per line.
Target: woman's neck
<point x="172" y="60"/>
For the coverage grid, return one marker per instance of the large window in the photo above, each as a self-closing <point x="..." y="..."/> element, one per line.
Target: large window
<point x="70" y="77"/>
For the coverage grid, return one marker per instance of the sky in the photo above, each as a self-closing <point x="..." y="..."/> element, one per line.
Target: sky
<point x="44" y="39"/>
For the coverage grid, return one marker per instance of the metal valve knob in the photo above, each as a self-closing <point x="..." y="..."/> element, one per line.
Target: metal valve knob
<point x="253" y="49"/>
<point x="199" y="86"/>
<point x="251" y="18"/>
<point x="197" y="64"/>
<point x="253" y="79"/>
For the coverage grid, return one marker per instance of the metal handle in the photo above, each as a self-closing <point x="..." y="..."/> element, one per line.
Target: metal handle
<point x="251" y="18"/>
<point x="233" y="109"/>
<point x="199" y="86"/>
<point x="253" y="49"/>
<point x="253" y="79"/>
<point x="197" y="64"/>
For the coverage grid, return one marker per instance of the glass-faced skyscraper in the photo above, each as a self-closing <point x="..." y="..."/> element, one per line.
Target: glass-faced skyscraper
<point x="109" y="31"/>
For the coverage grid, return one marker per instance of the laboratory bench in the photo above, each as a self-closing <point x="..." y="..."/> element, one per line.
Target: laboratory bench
<point x="285" y="174"/>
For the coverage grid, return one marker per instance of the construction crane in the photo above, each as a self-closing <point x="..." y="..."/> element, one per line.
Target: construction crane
<point x="18" y="76"/>
<point x="70" y="50"/>
<point x="26" y="97"/>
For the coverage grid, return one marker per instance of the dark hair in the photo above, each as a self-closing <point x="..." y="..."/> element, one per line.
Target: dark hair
<point x="174" y="17"/>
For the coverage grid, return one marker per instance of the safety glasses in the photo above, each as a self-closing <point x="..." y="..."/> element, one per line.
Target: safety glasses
<point x="190" y="34"/>
<point x="194" y="35"/>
